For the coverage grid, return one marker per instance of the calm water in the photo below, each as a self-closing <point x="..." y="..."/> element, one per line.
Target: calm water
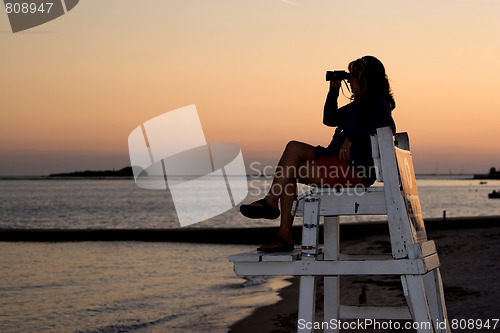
<point x="123" y="287"/>
<point x="138" y="286"/>
<point x="111" y="204"/>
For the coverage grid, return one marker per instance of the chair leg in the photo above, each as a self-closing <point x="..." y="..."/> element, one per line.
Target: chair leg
<point x="307" y="304"/>
<point x="435" y="297"/>
<point x="413" y="286"/>
<point x="331" y="283"/>
<point x="331" y="302"/>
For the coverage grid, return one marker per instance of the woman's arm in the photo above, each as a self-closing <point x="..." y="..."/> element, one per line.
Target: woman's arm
<point x="331" y="114"/>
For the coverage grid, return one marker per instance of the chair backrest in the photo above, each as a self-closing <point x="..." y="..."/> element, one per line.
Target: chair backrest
<point x="401" y="140"/>
<point x="410" y="194"/>
<point x="395" y="169"/>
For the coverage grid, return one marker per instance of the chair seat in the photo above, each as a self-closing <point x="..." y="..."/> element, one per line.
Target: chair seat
<point x="348" y="201"/>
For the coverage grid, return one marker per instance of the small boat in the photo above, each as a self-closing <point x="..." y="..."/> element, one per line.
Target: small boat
<point x="494" y="195"/>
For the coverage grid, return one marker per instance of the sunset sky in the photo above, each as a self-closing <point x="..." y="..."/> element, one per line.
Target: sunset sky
<point x="73" y="89"/>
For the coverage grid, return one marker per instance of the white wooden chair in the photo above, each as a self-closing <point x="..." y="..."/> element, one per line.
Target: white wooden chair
<point x="414" y="258"/>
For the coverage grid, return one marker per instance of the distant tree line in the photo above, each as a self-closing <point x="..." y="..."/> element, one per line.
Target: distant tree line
<point x="122" y="173"/>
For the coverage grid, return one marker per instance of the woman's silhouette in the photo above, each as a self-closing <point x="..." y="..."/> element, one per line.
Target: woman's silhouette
<point x="346" y="162"/>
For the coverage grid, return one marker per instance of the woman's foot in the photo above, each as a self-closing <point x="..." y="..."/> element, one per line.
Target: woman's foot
<point x="278" y="244"/>
<point x="260" y="209"/>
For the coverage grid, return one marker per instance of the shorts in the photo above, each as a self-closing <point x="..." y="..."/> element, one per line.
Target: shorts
<point x="339" y="173"/>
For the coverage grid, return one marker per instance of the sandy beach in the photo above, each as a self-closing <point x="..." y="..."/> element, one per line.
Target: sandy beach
<point x="470" y="269"/>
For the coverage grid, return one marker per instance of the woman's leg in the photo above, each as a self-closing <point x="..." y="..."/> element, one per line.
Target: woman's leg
<point x="296" y="164"/>
<point x="287" y="171"/>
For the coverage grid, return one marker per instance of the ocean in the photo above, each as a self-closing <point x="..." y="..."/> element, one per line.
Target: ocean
<point x="145" y="286"/>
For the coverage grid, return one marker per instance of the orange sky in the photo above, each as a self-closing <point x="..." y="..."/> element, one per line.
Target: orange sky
<point x="74" y="88"/>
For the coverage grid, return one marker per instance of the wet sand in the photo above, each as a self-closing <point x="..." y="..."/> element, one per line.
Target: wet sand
<point x="470" y="269"/>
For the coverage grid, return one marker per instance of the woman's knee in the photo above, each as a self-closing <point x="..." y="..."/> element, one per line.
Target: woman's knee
<point x="299" y="149"/>
<point x="293" y="145"/>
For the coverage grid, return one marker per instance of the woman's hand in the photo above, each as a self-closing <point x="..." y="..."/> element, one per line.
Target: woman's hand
<point x="344" y="150"/>
<point x="335" y="84"/>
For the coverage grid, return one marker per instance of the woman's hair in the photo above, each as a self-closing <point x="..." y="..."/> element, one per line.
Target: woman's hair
<point x="372" y="80"/>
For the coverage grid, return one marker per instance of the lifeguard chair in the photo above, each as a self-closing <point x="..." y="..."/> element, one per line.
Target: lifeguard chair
<point x="413" y="258"/>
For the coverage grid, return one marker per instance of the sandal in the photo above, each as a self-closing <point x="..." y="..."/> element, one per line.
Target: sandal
<point x="282" y="246"/>
<point x="264" y="211"/>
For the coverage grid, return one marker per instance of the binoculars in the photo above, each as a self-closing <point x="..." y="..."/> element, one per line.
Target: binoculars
<point x="337" y="75"/>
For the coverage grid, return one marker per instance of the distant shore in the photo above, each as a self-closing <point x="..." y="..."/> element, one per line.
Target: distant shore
<point x="493" y="174"/>
<point x="126" y="173"/>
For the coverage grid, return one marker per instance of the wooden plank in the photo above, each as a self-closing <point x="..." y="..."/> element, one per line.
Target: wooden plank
<point x="331" y="303"/>
<point x="280" y="256"/>
<point x="402" y="141"/>
<point x="350" y="201"/>
<point x="396" y="210"/>
<point x="253" y="256"/>
<point x="427" y="248"/>
<point x="374" y="312"/>
<point x="331" y="288"/>
<point x="309" y="252"/>
<point x="364" y="257"/>
<point x="410" y="195"/>
<point x="256" y="256"/>
<point x="431" y="262"/>
<point x="417" y="301"/>
<point x="310" y="228"/>
<point x="331" y="237"/>
<point x="435" y="297"/>
<point x="307" y="296"/>
<point x="376" y="158"/>
<point x="332" y="268"/>
<point x="353" y="202"/>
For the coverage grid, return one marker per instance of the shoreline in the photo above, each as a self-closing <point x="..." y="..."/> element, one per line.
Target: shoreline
<point x="249" y="236"/>
<point x="88" y="175"/>
<point x="470" y="266"/>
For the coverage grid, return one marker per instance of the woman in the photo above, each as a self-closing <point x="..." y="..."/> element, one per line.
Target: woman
<point x="346" y="162"/>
